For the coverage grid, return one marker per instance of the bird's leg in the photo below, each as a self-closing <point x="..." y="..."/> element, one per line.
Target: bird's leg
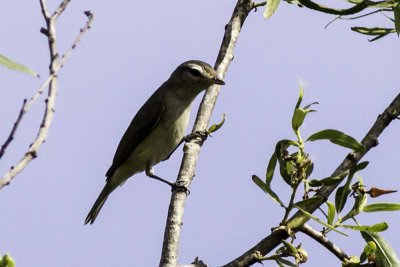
<point x="202" y="134"/>
<point x="150" y="173"/>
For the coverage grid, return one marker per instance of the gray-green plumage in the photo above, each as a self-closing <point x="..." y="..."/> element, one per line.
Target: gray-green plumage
<point x="157" y="128"/>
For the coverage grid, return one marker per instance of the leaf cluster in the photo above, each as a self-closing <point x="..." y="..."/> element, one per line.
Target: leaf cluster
<point x="296" y="169"/>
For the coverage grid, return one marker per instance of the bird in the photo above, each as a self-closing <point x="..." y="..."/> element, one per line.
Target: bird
<point x="157" y="128"/>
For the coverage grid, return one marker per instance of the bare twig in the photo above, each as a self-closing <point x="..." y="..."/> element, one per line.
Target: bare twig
<point x="370" y="140"/>
<point x="14" y="128"/>
<point x="191" y="149"/>
<point x="51" y="82"/>
<point x="320" y="238"/>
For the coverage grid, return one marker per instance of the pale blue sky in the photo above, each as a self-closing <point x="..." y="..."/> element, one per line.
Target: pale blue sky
<point x="131" y="49"/>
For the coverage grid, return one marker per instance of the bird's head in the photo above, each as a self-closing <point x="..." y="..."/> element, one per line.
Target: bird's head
<point x="195" y="75"/>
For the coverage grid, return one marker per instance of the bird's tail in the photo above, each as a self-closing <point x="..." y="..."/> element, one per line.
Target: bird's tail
<point x="91" y="217"/>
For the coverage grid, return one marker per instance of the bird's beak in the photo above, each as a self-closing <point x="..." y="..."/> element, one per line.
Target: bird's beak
<point x="218" y="81"/>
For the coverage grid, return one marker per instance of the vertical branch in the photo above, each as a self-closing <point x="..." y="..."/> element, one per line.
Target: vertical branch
<point x="191" y="150"/>
<point x="51" y="82"/>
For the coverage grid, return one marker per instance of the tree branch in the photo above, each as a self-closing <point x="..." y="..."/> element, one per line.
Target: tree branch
<point x="51" y="82"/>
<point x="297" y="220"/>
<point x="320" y="238"/>
<point x="14" y="128"/>
<point x="169" y="256"/>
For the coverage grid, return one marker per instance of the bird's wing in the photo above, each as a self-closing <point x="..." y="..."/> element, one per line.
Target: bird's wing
<point x="142" y="124"/>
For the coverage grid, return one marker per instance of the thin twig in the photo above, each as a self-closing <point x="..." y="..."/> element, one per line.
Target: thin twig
<point x="320" y="238"/>
<point x="14" y="128"/>
<point x="51" y="82"/>
<point x="62" y="61"/>
<point x="191" y="149"/>
<point x="60" y="9"/>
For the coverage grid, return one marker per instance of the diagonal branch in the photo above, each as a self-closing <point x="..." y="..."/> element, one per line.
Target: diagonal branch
<point x="14" y="128"/>
<point x="320" y="238"/>
<point x="191" y="149"/>
<point x="51" y="82"/>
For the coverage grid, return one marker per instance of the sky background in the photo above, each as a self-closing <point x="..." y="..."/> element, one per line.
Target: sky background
<point x="132" y="48"/>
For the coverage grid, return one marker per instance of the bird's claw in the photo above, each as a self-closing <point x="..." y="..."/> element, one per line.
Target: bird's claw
<point x="201" y="134"/>
<point x="180" y="186"/>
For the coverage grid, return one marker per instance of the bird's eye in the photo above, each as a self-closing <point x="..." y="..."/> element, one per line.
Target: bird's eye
<point x="195" y="72"/>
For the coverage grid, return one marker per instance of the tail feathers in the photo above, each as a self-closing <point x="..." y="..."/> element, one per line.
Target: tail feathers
<point x="91" y="217"/>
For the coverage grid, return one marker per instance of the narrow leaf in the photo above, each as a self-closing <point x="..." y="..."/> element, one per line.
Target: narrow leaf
<point x="381" y="207"/>
<point x="8" y="63"/>
<point x="331" y="212"/>
<point x="270" y="169"/>
<point x="300" y="98"/>
<point x="298" y="118"/>
<point x="309" y="105"/>
<point x="279" y="263"/>
<point x="343" y="192"/>
<point x="341" y="197"/>
<point x="309" y="201"/>
<point x="285" y="167"/>
<point x="379" y="227"/>
<point x="215" y="127"/>
<point x="396" y="12"/>
<point x="288" y="263"/>
<point x="270" y="8"/>
<point x="267" y="190"/>
<point x="330" y="227"/>
<point x="338" y="138"/>
<point x="373" y="31"/>
<point x="385" y="255"/>
<point x="291" y="249"/>
<point x="328" y="180"/>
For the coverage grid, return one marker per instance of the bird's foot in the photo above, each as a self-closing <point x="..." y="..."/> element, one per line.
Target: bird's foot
<point x="201" y="134"/>
<point x="180" y="186"/>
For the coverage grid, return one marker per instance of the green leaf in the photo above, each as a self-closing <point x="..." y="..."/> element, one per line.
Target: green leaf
<point x="215" y="127"/>
<point x="396" y="12"/>
<point x="341" y="197"/>
<point x="279" y="263"/>
<point x="309" y="105"/>
<point x="290" y="248"/>
<point x="288" y="263"/>
<point x="328" y="180"/>
<point x="373" y="31"/>
<point x="338" y="138"/>
<point x="8" y="63"/>
<point x="331" y="212"/>
<point x="379" y="227"/>
<point x="385" y="255"/>
<point x="270" y="8"/>
<point x="369" y="249"/>
<point x="359" y="204"/>
<point x="309" y="201"/>
<point x="298" y="118"/>
<point x="270" y="169"/>
<point x="343" y="192"/>
<point x="330" y="227"/>
<point x="286" y="167"/>
<point x="300" y="98"/>
<point x="381" y="207"/>
<point x="267" y="189"/>
<point x="6" y="261"/>
<point x="360" y="166"/>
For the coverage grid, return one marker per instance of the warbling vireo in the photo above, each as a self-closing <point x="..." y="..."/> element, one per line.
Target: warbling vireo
<point x="157" y="128"/>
